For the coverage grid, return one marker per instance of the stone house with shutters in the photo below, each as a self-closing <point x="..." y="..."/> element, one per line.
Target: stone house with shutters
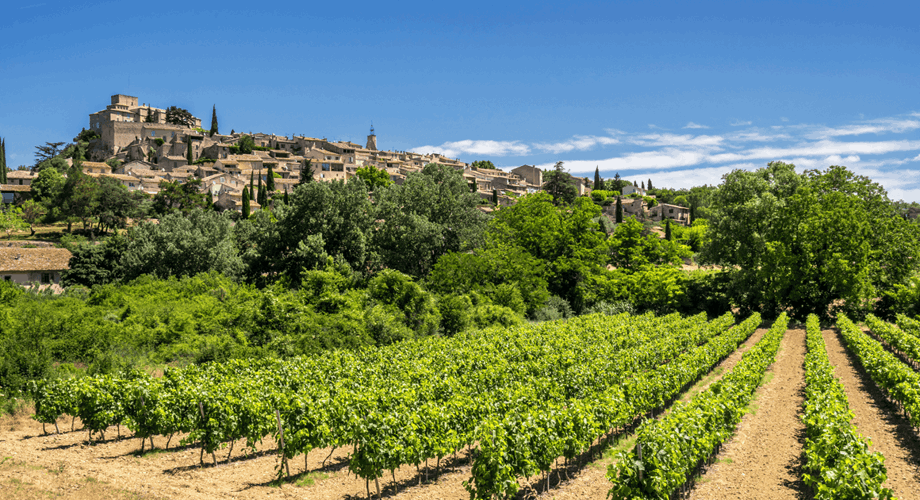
<point x="34" y="266"/>
<point x="20" y="177"/>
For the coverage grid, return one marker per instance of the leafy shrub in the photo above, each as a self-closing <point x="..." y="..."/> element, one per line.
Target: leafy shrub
<point x="611" y="308"/>
<point x="489" y="315"/>
<point x="900" y="299"/>
<point x="455" y="313"/>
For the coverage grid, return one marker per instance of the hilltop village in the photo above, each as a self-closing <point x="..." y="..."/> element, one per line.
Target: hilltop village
<point x="142" y="146"/>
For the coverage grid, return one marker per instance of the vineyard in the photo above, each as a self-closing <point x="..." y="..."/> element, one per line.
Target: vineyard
<point x="625" y="406"/>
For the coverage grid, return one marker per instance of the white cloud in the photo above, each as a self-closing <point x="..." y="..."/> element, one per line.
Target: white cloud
<point x="881" y="126"/>
<point x="784" y="119"/>
<point x="482" y="148"/>
<point x="577" y="143"/>
<point x="687" y="159"/>
<point x="672" y="140"/>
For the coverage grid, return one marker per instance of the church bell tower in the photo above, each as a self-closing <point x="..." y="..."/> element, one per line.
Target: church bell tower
<point x="372" y="139"/>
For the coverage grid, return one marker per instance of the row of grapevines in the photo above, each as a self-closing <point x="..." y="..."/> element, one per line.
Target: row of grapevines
<point x="899" y="381"/>
<point x="669" y="449"/>
<point x="529" y="439"/>
<point x="838" y="463"/>
<point x="909" y="325"/>
<point x="908" y="346"/>
<point x="398" y="405"/>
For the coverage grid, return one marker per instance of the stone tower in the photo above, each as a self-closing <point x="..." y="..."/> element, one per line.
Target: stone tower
<point x="372" y="140"/>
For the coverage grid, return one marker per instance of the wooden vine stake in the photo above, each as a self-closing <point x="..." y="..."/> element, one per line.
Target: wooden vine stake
<point x="639" y="451"/>
<point x="281" y="436"/>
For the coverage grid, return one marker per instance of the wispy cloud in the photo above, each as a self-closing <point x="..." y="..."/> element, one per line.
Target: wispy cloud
<point x="783" y="119"/>
<point x="577" y="143"/>
<point x="882" y="126"/>
<point x="885" y="149"/>
<point x="471" y="147"/>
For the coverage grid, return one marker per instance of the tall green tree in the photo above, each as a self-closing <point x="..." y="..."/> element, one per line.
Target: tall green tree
<point x="285" y="195"/>
<point x="619" y="212"/>
<point x="182" y="245"/>
<point x="188" y="154"/>
<point x="246" y="143"/>
<point x="667" y="229"/>
<point x="3" y="161"/>
<point x="560" y="185"/>
<point x="649" y="184"/>
<point x="252" y="179"/>
<point x="566" y="238"/>
<point x="176" y="196"/>
<point x="246" y="209"/>
<point x="598" y="182"/>
<point x="430" y="214"/>
<point x="495" y="197"/>
<point x="374" y="177"/>
<point x="816" y="242"/>
<point x="476" y="165"/>
<point x="306" y="172"/>
<point x="214" y="121"/>
<point x="260" y="196"/>
<point x="79" y="196"/>
<point x="270" y="182"/>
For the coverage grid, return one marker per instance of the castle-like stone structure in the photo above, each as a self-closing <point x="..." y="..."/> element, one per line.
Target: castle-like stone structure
<point x="125" y="120"/>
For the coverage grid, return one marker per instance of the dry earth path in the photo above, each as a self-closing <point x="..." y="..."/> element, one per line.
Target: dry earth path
<point x="763" y="459"/>
<point x="591" y="482"/>
<point x="876" y="418"/>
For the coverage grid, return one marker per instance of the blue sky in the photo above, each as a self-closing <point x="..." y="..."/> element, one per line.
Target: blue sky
<point x="679" y="92"/>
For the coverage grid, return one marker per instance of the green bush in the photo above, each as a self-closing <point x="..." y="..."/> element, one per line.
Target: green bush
<point x="455" y="313"/>
<point x="491" y="315"/>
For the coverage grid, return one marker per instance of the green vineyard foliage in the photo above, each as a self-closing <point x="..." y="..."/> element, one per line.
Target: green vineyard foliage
<point x="838" y="463"/>
<point x="670" y="449"/>
<point x="897" y="380"/>
<point x="524" y="395"/>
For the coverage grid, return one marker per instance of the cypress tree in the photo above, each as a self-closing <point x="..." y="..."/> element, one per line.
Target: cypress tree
<point x="2" y="161"/>
<point x="598" y="183"/>
<point x="245" y="202"/>
<point x="214" y="121"/>
<point x="634" y="184"/>
<point x="643" y="185"/>
<point x="667" y="229"/>
<point x="251" y="181"/>
<point x="649" y="184"/>
<point x="306" y="172"/>
<point x="495" y="197"/>
<point x="260" y="197"/>
<point x="285" y="195"/>
<point x="692" y="214"/>
<point x="619" y="214"/>
<point x="270" y="181"/>
<point x="188" y="154"/>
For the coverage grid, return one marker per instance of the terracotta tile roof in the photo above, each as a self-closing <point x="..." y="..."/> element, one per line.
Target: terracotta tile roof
<point x="94" y="164"/>
<point x="34" y="259"/>
<point x="20" y="174"/>
<point x="7" y="188"/>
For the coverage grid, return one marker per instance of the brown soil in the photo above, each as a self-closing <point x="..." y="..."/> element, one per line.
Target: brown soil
<point x="877" y="419"/>
<point x="47" y="466"/>
<point x="763" y="459"/>
<point x="591" y="481"/>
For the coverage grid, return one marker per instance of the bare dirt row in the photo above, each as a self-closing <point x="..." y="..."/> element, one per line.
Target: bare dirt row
<point x="876" y="418"/>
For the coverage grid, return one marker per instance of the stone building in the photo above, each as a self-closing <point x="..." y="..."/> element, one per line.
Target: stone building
<point x="124" y="120"/>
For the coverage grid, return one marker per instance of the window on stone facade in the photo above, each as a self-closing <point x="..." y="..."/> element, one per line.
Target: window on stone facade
<point x="8" y="278"/>
<point x="46" y="278"/>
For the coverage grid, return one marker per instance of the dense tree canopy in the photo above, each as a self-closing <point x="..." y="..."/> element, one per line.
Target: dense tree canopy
<point x="813" y="242"/>
<point x="430" y="214"/>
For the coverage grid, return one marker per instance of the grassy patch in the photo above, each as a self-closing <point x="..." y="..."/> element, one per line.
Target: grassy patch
<point x="310" y="478"/>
